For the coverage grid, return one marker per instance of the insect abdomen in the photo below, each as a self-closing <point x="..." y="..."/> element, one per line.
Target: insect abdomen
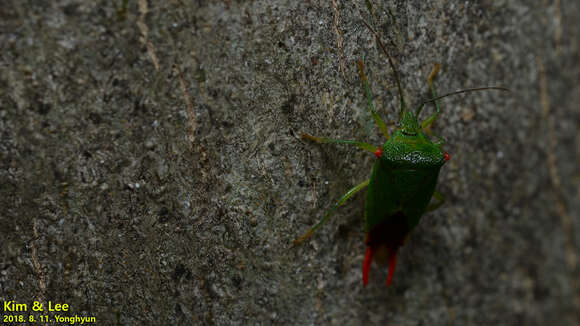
<point x="394" y="190"/>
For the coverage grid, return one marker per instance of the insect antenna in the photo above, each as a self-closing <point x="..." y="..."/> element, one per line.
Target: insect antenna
<point x="390" y="63"/>
<point x="467" y="90"/>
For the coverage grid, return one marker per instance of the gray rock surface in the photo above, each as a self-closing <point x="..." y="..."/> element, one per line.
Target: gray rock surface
<point x="151" y="171"/>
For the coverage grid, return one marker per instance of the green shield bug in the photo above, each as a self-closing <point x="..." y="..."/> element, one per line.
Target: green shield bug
<point x="403" y="177"/>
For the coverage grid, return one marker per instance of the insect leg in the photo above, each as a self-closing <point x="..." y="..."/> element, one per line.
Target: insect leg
<point x="429" y="121"/>
<point x="367" y="89"/>
<point x="439" y="142"/>
<point x="339" y="203"/>
<point x="438" y="204"/>
<point x="322" y="140"/>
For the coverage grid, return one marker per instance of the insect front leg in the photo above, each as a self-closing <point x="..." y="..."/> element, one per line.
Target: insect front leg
<point x="437" y="195"/>
<point x="380" y="123"/>
<point x="339" y="203"/>
<point x="429" y="121"/>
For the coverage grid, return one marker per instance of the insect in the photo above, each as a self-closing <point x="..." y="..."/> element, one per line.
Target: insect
<point x="403" y="177"/>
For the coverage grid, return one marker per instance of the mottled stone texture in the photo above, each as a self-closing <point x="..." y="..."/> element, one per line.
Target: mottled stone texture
<point x="151" y="171"/>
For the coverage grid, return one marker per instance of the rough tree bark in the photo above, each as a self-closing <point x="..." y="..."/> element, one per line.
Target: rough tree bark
<point x="151" y="170"/>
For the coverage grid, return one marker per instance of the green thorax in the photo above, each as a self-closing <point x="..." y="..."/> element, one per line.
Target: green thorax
<point x="410" y="148"/>
<point x="404" y="178"/>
